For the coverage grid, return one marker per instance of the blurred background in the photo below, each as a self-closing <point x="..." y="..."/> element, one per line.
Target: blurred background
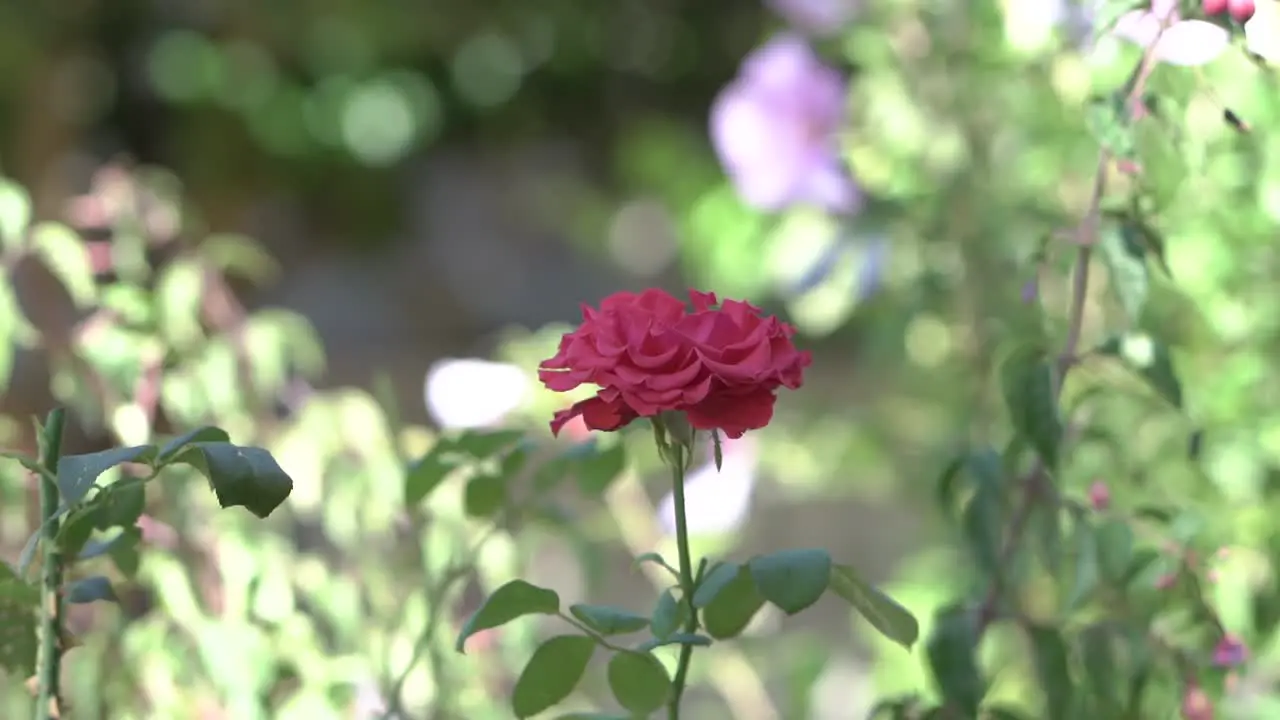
<point x="338" y="229"/>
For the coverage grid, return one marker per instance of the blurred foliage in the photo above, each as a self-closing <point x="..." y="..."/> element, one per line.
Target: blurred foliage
<point x="974" y="134"/>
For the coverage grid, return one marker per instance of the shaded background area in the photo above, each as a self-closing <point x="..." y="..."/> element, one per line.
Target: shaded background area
<point x="337" y="228"/>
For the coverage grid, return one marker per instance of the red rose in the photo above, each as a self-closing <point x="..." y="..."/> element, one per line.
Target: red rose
<point x="719" y="364"/>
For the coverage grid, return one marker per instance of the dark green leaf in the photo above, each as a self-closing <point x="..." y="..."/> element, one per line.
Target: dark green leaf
<point x="121" y="504"/>
<point x="98" y="548"/>
<point x="1052" y="668"/>
<point x="485" y="494"/>
<point x="78" y="473"/>
<point x="609" y="620"/>
<point x="984" y="513"/>
<point x="1005" y="713"/>
<point x="513" y="600"/>
<point x="1027" y="382"/>
<point x="1151" y="360"/>
<point x="1143" y="558"/>
<point x="718" y="452"/>
<point x="597" y="471"/>
<point x="668" y="615"/>
<point x="639" y="682"/>
<point x="1046" y="525"/>
<point x="1086" y="577"/>
<point x="208" y="433"/>
<point x="675" y="639"/>
<point x="240" y="475"/>
<point x="791" y="579"/>
<point x="1127" y="265"/>
<point x="947" y="481"/>
<point x="1098" y="653"/>
<point x="76" y="527"/>
<point x="720" y="575"/>
<point x="91" y="589"/>
<point x="124" y="552"/>
<point x="885" y="615"/>
<point x="951" y="650"/>
<point x="1153" y="513"/>
<point x="553" y="671"/>
<point x="731" y="610"/>
<point x="1115" y="549"/>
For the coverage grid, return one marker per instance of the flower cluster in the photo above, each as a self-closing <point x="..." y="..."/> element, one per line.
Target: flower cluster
<point x="720" y="364"/>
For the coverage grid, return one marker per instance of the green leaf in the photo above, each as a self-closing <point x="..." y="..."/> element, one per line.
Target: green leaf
<point x="733" y="607"/>
<point x="656" y="559"/>
<point x="15" y="213"/>
<point x="64" y="253"/>
<point x="1127" y="265"/>
<point x="425" y="475"/>
<point x="484" y="444"/>
<point x="1087" y="575"/>
<point x="513" y="600"/>
<point x="791" y="579"/>
<point x="237" y="255"/>
<point x="1027" y="382"/>
<point x="1098" y="652"/>
<point x="91" y="589"/>
<point x="553" y="671"/>
<point x="1151" y="360"/>
<point x="951" y="650"/>
<point x="121" y="503"/>
<point x="1115" y="549"/>
<point x="77" y="526"/>
<point x="486" y="492"/>
<point x="716" y="579"/>
<point x="639" y="682"/>
<point x="1052" y="668"/>
<point x="676" y="639"/>
<point x="240" y="475"/>
<point x="593" y="716"/>
<point x="609" y="620"/>
<point x="124" y="552"/>
<point x="668" y="615"/>
<point x="98" y="548"/>
<point x="28" y="554"/>
<point x="174" y="447"/>
<point x="1046" y="527"/>
<point x="78" y="473"/>
<point x="18" y="627"/>
<point x="885" y="615"/>
<point x="597" y="471"/>
<point x="983" y="515"/>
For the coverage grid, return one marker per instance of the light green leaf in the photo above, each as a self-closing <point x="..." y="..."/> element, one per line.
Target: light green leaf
<point x="639" y="682"/>
<point x="513" y="600"/>
<point x="63" y="251"/>
<point x="15" y="214"/>
<point x="609" y="620"/>
<point x="178" y="298"/>
<point x="733" y="607"/>
<point x="18" y="638"/>
<point x="885" y="615"/>
<point x="791" y="579"/>
<point x="668" y="615"/>
<point x="553" y="671"/>
<point x="240" y="256"/>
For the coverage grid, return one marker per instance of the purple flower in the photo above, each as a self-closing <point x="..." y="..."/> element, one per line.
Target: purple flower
<point x="775" y="129"/>
<point x="816" y="17"/>
<point x="1229" y="651"/>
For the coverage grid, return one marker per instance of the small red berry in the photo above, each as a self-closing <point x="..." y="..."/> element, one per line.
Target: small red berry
<point x="1213" y="7"/>
<point x="1241" y="10"/>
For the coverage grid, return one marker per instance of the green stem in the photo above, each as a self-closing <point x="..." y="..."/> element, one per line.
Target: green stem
<point x="48" y="705"/>
<point x="686" y="579"/>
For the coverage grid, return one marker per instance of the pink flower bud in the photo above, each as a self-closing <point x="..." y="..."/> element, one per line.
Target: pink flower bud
<point x="1229" y="651"/>
<point x="1166" y="581"/>
<point x="1099" y="496"/>
<point x="1196" y="705"/>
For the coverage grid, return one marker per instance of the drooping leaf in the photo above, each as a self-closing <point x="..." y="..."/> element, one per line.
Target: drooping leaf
<point x="609" y="620"/>
<point x="791" y="579"/>
<point x="240" y="475"/>
<point x="885" y="615"/>
<point x="639" y="682"/>
<point x="207" y="433"/>
<point x="513" y="600"/>
<point x="553" y="671"/>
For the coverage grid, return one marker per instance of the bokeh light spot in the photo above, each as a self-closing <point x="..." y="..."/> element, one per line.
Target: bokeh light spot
<point x="378" y="124"/>
<point x="184" y="66"/>
<point x="487" y="69"/>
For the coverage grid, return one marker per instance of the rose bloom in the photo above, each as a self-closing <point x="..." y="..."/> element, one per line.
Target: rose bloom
<point x="720" y="363"/>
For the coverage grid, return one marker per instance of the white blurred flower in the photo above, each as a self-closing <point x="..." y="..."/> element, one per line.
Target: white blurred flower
<point x="473" y="393"/>
<point x="1191" y="43"/>
<point x="716" y="502"/>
